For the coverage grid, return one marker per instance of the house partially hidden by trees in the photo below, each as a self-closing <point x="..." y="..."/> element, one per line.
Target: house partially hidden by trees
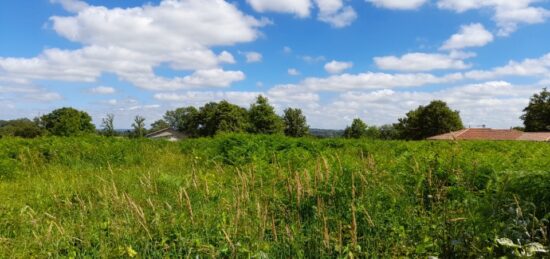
<point x="166" y="134"/>
<point x="493" y="134"/>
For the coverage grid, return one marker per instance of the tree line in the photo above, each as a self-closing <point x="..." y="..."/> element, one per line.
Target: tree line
<point x="260" y="118"/>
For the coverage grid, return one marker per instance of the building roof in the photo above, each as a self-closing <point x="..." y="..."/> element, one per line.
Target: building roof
<point x="493" y="134"/>
<point x="535" y="136"/>
<point x="165" y="133"/>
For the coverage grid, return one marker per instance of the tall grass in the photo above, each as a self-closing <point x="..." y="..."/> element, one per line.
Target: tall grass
<point x="270" y="196"/>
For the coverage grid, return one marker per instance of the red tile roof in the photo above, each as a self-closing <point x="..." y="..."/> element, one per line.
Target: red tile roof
<point x="493" y="134"/>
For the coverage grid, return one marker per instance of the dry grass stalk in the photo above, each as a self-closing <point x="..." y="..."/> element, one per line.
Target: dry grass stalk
<point x="229" y="242"/>
<point x="138" y="211"/>
<point x="326" y="235"/>
<point x="188" y="202"/>
<point x="274" y="228"/>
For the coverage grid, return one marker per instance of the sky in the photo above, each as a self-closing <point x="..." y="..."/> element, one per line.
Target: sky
<point x="335" y="59"/>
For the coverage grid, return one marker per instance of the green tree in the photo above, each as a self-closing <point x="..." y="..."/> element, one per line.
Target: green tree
<point x="388" y="132"/>
<point x="185" y="120"/>
<point x="220" y="117"/>
<point x="159" y="125"/>
<point x="295" y="123"/>
<point x="24" y="128"/>
<point x="263" y="119"/>
<point x="139" y="127"/>
<point x="67" y="122"/>
<point x="426" y="121"/>
<point x="358" y="129"/>
<point x="108" y="125"/>
<point x="536" y="115"/>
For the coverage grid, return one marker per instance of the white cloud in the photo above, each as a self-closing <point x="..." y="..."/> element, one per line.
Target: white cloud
<point x="312" y="59"/>
<point x="253" y="57"/>
<point x="529" y="67"/>
<point x="195" y="98"/>
<point x="74" y="6"/>
<point x="472" y="35"/>
<point x="131" y="42"/>
<point x="335" y="13"/>
<point x="293" y="72"/>
<point x="423" y="61"/>
<point x="366" y="81"/>
<point x="103" y="90"/>
<point x="300" y="8"/>
<point x="287" y="50"/>
<point x="398" y="4"/>
<point x="226" y="57"/>
<point x="497" y="104"/>
<point x="508" y="14"/>
<point x="17" y="92"/>
<point x="337" y="67"/>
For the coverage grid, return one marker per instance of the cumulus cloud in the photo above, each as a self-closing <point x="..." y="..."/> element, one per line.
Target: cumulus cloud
<point x="131" y="42"/>
<point x="497" y="104"/>
<point x="335" y="13"/>
<point x="313" y="59"/>
<point x="300" y="8"/>
<point x="103" y="90"/>
<point x="472" y="35"/>
<point x="539" y="67"/>
<point x="337" y="67"/>
<point x="398" y="4"/>
<point x="74" y="6"/>
<point x="424" y="61"/>
<point x="293" y="72"/>
<point x="366" y="81"/>
<point x="253" y="57"/>
<point x="507" y="14"/>
<point x="226" y="57"/>
<point x="16" y="92"/>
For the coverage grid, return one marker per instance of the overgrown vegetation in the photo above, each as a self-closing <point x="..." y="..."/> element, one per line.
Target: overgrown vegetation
<point x="272" y="196"/>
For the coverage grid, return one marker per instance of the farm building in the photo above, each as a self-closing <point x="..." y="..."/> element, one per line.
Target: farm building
<point x="493" y="134"/>
<point x="167" y="134"/>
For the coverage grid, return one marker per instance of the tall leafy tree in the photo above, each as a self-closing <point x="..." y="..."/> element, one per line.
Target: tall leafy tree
<point x="139" y="127"/>
<point x="108" y="124"/>
<point x="263" y="119"/>
<point x="388" y="132"/>
<point x="295" y="123"/>
<point x="358" y="129"/>
<point x="185" y="120"/>
<point x="426" y="121"/>
<point x="536" y="115"/>
<point x="67" y="122"/>
<point x="24" y="128"/>
<point x="220" y="117"/>
<point x="159" y="125"/>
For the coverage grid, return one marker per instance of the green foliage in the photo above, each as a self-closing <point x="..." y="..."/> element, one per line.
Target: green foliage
<point x="536" y="115"/>
<point x="427" y="121"/>
<point x="263" y="119"/>
<point x="388" y="132"/>
<point x="108" y="124"/>
<point x="138" y="126"/>
<point x="241" y="196"/>
<point x="221" y="117"/>
<point x="159" y="125"/>
<point x="358" y="129"/>
<point x="185" y="120"/>
<point x="295" y="123"/>
<point x="67" y="122"/>
<point x="24" y="128"/>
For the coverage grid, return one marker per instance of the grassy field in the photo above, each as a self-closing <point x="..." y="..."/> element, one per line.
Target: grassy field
<point x="272" y="197"/>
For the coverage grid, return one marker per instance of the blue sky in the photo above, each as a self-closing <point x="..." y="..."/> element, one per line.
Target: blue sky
<point x="335" y="59"/>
